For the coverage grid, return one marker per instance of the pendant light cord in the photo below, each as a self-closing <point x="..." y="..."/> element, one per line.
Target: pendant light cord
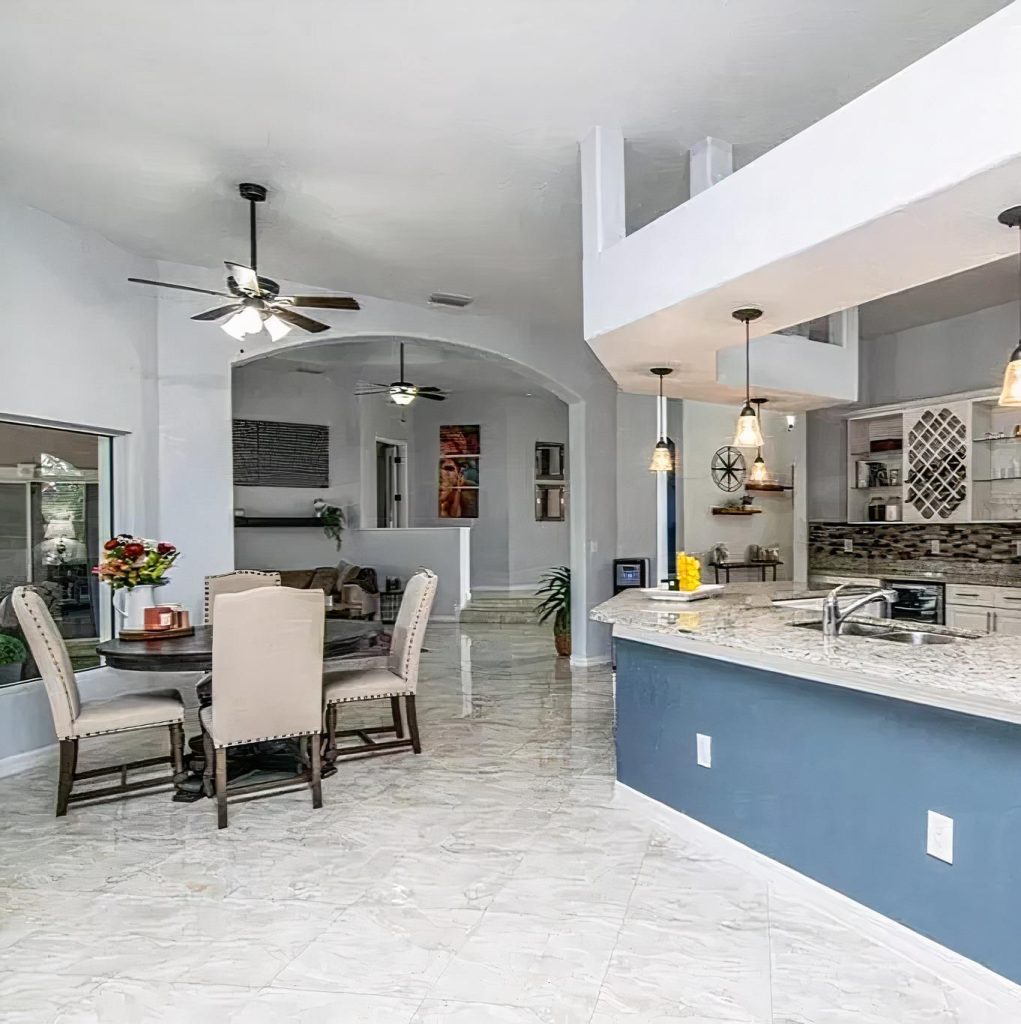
<point x="1019" y="284"/>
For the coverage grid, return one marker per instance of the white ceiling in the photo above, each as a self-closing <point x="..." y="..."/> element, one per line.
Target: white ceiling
<point x="455" y="368"/>
<point x="414" y="147"/>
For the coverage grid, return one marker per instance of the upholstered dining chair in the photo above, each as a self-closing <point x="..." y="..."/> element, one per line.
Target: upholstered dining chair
<point x="235" y="582"/>
<point x="75" y="719"/>
<point x="267" y="682"/>
<point x="397" y="679"/>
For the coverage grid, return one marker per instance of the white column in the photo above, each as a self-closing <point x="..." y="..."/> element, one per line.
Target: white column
<point x="710" y="161"/>
<point x="602" y="190"/>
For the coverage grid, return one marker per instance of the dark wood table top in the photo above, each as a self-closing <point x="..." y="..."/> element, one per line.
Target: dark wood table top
<point x="195" y="653"/>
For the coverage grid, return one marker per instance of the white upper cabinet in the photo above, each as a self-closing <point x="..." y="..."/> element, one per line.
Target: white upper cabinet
<point x="951" y="461"/>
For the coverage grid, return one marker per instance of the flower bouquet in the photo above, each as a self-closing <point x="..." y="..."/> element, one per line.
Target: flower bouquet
<point x="130" y="562"/>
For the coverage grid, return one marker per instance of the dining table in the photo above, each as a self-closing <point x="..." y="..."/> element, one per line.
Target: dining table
<point x="342" y="638"/>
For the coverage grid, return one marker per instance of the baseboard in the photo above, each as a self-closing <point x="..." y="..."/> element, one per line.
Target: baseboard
<point x="29" y="759"/>
<point x="929" y="955"/>
<point x="579" y="662"/>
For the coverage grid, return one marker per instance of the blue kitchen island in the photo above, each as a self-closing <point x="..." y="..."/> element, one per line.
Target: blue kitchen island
<point x="828" y="755"/>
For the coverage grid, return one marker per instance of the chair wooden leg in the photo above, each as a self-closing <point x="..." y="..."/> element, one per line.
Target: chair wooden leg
<point x="65" y="779"/>
<point x="177" y="749"/>
<point x="395" y="708"/>
<point x="220" y="757"/>
<point x="317" y="772"/>
<point x="331" y="733"/>
<point x="209" y="759"/>
<point x="409" y="705"/>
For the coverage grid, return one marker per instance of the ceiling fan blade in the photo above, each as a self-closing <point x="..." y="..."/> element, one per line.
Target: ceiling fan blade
<point x="430" y="389"/>
<point x="431" y="397"/>
<point x="215" y="314"/>
<point x="371" y="391"/>
<point x="306" y="323"/>
<point x="244" y="277"/>
<point x="323" y="301"/>
<point x="179" y="287"/>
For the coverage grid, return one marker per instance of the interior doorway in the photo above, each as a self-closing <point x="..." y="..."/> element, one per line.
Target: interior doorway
<point x="391" y="483"/>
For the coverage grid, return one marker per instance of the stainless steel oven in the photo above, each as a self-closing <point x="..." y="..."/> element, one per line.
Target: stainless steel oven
<point x="918" y="600"/>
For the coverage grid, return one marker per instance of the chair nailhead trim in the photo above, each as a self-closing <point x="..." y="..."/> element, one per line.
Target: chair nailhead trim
<point x="127" y="728"/>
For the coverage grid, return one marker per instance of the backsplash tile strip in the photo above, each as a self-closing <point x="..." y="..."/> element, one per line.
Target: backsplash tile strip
<point x="967" y="550"/>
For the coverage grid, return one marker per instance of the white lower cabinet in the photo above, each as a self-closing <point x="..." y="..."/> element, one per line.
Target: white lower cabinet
<point x="970" y="617"/>
<point x="1008" y="622"/>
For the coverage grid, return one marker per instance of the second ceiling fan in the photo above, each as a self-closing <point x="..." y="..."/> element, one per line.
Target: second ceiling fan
<point x="256" y="302"/>
<point x="401" y="392"/>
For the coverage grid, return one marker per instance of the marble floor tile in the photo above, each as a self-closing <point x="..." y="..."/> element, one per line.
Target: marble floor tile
<point x="493" y="878"/>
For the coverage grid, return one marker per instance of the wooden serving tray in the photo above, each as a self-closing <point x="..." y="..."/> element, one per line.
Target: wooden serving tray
<point x="156" y="634"/>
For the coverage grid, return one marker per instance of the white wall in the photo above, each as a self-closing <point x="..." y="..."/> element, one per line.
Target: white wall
<point x="708" y="427"/>
<point x="508" y="547"/>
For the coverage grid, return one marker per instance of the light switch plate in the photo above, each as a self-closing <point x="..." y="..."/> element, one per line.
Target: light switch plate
<point x="704" y="750"/>
<point x="940" y="837"/>
<point x="848" y="546"/>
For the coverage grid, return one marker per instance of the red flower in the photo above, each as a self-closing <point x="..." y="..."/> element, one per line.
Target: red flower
<point x="165" y="549"/>
<point x="134" y="550"/>
<point x="111" y="544"/>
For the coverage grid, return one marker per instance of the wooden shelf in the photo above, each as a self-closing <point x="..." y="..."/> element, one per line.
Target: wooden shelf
<point x="278" y="522"/>
<point x="776" y="488"/>
<point x="720" y="511"/>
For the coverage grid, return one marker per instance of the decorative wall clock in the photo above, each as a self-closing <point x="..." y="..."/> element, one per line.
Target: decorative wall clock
<point x="728" y="468"/>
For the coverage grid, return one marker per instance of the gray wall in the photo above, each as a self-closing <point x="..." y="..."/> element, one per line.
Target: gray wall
<point x="966" y="353"/>
<point x="836" y="784"/>
<point x="508" y="547"/>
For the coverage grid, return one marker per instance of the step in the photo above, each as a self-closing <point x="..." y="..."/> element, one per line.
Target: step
<point x="501" y="608"/>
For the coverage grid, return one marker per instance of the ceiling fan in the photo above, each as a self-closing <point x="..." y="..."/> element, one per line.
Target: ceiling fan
<point x="401" y="392"/>
<point x="256" y="302"/>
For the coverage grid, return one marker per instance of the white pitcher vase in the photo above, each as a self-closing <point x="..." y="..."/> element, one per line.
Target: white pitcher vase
<point x="131" y="602"/>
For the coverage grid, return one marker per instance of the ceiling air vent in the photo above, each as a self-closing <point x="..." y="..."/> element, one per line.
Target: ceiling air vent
<point x="448" y="299"/>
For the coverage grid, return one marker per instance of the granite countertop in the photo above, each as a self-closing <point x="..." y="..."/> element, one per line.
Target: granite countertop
<point x="978" y="675"/>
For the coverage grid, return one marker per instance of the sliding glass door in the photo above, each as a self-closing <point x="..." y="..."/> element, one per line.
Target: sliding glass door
<point x="53" y="519"/>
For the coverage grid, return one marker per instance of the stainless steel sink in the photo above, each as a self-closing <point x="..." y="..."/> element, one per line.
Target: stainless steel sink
<point x="913" y="637"/>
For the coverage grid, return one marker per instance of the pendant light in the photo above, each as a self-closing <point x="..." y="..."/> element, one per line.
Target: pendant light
<point x="748" y="434"/>
<point x="759" y="473"/>
<point x="1010" y="395"/>
<point x="662" y="460"/>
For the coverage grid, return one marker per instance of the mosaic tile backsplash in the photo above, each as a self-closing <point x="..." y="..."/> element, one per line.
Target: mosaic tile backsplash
<point x="968" y="551"/>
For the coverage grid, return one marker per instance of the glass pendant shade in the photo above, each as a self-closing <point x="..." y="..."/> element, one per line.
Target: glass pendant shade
<point x="234" y="327"/>
<point x="759" y="473"/>
<point x="402" y="396"/>
<point x="276" y="328"/>
<point x="748" y="434"/>
<point x="1010" y="396"/>
<point x="662" y="461"/>
<point x="250" y="320"/>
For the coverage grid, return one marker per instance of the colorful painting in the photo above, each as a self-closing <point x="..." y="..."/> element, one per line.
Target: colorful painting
<point x="458" y="479"/>
<point x="459" y="439"/>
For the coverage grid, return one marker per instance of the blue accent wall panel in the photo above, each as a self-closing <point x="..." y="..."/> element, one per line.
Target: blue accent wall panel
<point x="837" y="785"/>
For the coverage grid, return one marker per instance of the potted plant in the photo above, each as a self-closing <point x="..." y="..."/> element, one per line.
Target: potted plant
<point x="555" y="589"/>
<point x="134" y="567"/>
<point x="12" y="657"/>
<point x="332" y="519"/>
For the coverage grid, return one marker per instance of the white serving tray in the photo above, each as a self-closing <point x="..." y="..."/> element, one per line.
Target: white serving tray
<point x="706" y="590"/>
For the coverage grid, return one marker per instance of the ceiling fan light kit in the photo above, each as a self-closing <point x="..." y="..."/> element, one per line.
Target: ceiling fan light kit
<point x="1010" y="393"/>
<point x="748" y="433"/>
<point x="256" y="302"/>
<point x="662" y="459"/>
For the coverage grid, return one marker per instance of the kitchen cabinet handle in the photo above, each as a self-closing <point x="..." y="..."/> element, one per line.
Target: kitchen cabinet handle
<point x="961" y="593"/>
<point x="990" y="622"/>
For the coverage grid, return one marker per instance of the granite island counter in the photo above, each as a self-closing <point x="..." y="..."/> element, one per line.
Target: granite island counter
<point x="827" y="754"/>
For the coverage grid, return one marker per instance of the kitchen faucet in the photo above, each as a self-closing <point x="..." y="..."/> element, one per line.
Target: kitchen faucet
<point x="834" y="617"/>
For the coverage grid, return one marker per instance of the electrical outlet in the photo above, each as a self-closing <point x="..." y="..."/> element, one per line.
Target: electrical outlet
<point x="848" y="546"/>
<point x="704" y="750"/>
<point x="940" y="837"/>
<point x="1017" y="549"/>
<point x="934" y="546"/>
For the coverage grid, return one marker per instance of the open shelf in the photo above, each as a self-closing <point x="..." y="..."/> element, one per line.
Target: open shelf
<point x="719" y="510"/>
<point x="995" y="479"/>
<point x="776" y="488"/>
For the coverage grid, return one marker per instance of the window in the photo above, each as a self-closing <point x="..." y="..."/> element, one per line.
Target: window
<point x="54" y="511"/>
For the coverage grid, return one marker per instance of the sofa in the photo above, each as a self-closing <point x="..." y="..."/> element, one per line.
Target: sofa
<point x="354" y="588"/>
